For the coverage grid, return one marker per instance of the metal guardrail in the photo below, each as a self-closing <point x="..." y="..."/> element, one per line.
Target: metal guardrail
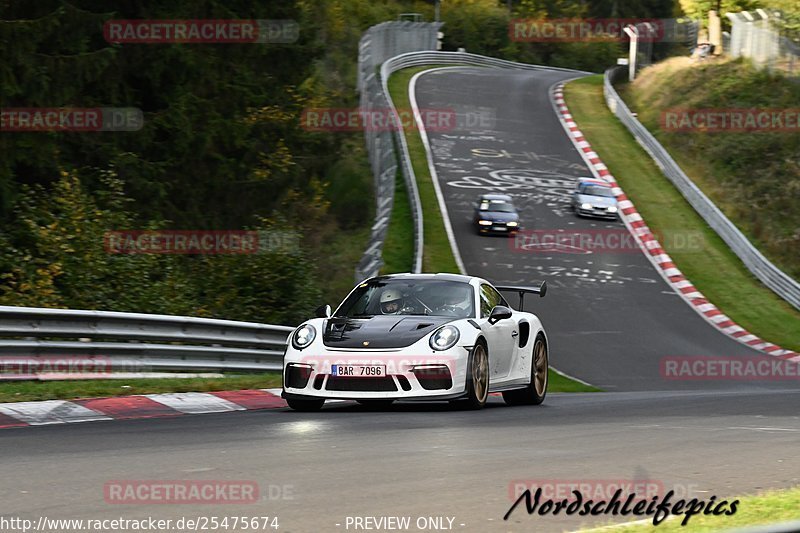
<point x="770" y="275"/>
<point x="141" y="341"/>
<point x="416" y="59"/>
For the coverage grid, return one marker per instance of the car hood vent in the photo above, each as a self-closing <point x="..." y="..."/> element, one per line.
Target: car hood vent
<point x="379" y="332"/>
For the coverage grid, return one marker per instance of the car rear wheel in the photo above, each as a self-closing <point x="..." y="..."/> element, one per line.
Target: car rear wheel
<point x="535" y="392"/>
<point x="477" y="379"/>
<point x="305" y="405"/>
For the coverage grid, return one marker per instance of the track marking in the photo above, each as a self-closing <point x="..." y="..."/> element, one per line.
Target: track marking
<point x="50" y="412"/>
<point x="195" y="402"/>
<point x="766" y="429"/>
<point x="573" y="378"/>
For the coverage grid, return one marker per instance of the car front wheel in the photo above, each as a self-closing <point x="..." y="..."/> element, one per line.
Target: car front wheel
<point x="477" y="379"/>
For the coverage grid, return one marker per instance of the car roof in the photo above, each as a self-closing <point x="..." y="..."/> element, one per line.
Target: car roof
<point x="490" y="196"/>
<point x="429" y="277"/>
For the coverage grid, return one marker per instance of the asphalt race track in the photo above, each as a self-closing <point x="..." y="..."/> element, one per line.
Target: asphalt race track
<point x="610" y="318"/>
<point x="412" y="460"/>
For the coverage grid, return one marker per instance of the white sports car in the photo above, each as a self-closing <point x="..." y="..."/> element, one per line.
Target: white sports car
<point x="419" y="337"/>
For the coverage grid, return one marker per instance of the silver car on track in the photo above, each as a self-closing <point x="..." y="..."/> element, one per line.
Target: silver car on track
<point x="594" y="198"/>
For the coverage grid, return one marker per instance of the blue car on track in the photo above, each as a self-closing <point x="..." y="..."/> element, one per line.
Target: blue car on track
<point x="495" y="213"/>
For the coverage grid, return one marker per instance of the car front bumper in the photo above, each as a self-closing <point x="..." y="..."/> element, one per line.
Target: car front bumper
<point x="598" y="213"/>
<point x="431" y="376"/>
<point x="498" y="229"/>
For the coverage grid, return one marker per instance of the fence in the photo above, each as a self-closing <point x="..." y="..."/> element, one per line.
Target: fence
<point x="378" y="44"/>
<point x="755" y="35"/>
<point x="134" y="341"/>
<point x="770" y="275"/>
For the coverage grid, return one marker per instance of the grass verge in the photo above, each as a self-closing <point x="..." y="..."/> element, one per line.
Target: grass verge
<point x="26" y="391"/>
<point x="437" y="255"/>
<point x="771" y="507"/>
<point x="398" y="248"/>
<point x="711" y="266"/>
<point x="559" y="383"/>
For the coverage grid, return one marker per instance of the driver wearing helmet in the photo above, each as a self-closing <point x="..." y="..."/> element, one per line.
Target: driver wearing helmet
<point x="391" y="302"/>
<point x="457" y="302"/>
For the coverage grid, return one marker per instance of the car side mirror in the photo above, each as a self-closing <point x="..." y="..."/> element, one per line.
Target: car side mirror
<point x="499" y="313"/>
<point x="323" y="311"/>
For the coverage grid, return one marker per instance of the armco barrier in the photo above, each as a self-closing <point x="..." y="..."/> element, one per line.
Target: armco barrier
<point x="770" y="275"/>
<point x="378" y="44"/>
<point x="142" y="341"/>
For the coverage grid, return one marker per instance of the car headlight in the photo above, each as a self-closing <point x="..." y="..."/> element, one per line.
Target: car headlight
<point x="485" y="222"/>
<point x="444" y="338"/>
<point x="612" y="209"/>
<point x="512" y="224"/>
<point x="586" y="206"/>
<point x="304" y="336"/>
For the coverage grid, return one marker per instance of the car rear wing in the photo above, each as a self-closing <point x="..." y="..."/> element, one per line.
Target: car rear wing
<point x="541" y="290"/>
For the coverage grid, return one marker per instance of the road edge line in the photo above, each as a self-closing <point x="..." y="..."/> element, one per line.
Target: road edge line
<point x="448" y="228"/>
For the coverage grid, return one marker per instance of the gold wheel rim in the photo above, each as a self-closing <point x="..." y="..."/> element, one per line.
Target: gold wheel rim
<point x="480" y="374"/>
<point x="540" y="366"/>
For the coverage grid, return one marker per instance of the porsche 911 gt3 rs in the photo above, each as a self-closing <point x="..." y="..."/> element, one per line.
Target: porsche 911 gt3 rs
<point x="419" y="337"/>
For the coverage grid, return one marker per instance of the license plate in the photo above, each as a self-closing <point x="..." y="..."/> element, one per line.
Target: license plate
<point x="358" y="371"/>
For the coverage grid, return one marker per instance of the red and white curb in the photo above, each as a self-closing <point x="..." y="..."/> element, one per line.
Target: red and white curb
<point x="20" y="414"/>
<point x="650" y="245"/>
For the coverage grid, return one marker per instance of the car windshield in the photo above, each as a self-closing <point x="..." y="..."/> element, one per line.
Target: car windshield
<point x="497" y="205"/>
<point x="409" y="297"/>
<point x="598" y="190"/>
